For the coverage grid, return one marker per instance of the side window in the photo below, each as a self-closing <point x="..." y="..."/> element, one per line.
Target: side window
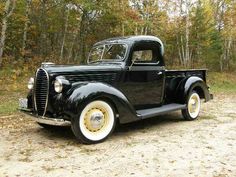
<point x="147" y="52"/>
<point x="142" y="56"/>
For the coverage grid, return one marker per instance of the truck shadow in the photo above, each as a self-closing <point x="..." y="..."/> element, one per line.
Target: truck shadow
<point x="65" y="133"/>
<point x="57" y="133"/>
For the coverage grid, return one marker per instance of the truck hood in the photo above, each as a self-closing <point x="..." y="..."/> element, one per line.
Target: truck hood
<point x="69" y="69"/>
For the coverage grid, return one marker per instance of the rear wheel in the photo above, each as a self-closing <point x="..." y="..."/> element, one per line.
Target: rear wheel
<point x="193" y="107"/>
<point x="95" y="124"/>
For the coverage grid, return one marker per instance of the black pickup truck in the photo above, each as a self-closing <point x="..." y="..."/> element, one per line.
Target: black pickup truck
<point x="124" y="81"/>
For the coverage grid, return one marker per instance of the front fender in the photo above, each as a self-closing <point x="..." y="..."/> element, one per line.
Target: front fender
<point x="82" y="93"/>
<point x="188" y="85"/>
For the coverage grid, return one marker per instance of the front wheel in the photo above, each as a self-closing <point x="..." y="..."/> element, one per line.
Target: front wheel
<point x="193" y="107"/>
<point x="95" y="124"/>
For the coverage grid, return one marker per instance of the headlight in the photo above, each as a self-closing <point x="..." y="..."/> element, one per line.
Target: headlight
<point x="31" y="83"/>
<point x="58" y="85"/>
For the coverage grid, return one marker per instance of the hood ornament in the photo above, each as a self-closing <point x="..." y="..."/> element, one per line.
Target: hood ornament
<point x="46" y="64"/>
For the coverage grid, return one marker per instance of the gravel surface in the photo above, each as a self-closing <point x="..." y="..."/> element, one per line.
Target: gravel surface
<point x="161" y="146"/>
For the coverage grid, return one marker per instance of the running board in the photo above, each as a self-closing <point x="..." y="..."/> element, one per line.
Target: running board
<point x="147" y="113"/>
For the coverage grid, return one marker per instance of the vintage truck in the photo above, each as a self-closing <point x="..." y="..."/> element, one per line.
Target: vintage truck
<point x="124" y="81"/>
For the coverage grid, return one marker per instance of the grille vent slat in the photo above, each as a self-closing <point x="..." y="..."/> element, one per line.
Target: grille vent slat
<point x="104" y="77"/>
<point x="41" y="91"/>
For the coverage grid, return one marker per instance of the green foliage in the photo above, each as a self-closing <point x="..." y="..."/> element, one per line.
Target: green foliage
<point x="206" y="40"/>
<point x="91" y="21"/>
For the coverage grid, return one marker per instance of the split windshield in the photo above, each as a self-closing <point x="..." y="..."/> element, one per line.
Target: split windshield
<point x="107" y="52"/>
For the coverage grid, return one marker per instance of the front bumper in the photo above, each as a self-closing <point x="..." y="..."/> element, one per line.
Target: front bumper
<point x="41" y="119"/>
<point x="46" y="120"/>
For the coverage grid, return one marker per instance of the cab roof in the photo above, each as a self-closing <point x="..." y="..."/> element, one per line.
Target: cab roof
<point x="131" y="40"/>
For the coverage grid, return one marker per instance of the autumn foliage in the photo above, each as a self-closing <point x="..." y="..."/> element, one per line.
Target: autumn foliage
<point x="195" y="33"/>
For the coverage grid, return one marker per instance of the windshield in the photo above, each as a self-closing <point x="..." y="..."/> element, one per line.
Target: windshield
<point x="107" y="52"/>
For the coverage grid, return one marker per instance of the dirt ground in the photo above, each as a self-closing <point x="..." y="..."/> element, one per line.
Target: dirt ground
<point x="162" y="146"/>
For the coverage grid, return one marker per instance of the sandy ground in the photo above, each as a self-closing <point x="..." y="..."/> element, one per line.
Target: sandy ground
<point x="162" y="146"/>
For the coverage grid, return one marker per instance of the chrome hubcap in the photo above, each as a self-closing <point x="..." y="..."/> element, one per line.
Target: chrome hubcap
<point x="194" y="105"/>
<point x="95" y="119"/>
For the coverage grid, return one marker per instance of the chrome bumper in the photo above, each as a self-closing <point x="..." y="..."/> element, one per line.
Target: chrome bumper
<point x="46" y="120"/>
<point x="23" y="102"/>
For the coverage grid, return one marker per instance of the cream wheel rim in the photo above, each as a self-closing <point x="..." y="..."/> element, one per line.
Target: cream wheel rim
<point x="194" y="105"/>
<point x="96" y="120"/>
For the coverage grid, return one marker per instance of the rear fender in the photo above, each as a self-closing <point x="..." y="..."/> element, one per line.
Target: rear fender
<point x="188" y="85"/>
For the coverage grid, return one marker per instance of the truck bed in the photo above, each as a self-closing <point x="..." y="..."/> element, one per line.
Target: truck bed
<point x="174" y="79"/>
<point x="186" y="73"/>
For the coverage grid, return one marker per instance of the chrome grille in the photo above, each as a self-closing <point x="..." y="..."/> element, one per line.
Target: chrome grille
<point x="41" y="91"/>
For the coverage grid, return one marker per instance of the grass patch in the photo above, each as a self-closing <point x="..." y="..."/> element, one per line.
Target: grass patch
<point x="14" y="78"/>
<point x="9" y="102"/>
<point x="222" y="82"/>
<point x="8" y="107"/>
<point x="13" y="85"/>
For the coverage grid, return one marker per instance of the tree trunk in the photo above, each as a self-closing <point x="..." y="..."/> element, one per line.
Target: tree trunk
<point x="221" y="63"/>
<point x="73" y="43"/>
<point x="227" y="52"/>
<point x="3" y="37"/>
<point x="229" y="43"/>
<point x="26" y="26"/>
<point x="136" y="29"/>
<point x="179" y="51"/>
<point x="82" y="36"/>
<point x="70" y="54"/>
<point x="43" y="29"/>
<point x="182" y="49"/>
<point x="64" y="36"/>
<point x="9" y="7"/>
<point x="187" y="35"/>
<point x="123" y="29"/>
<point x="146" y="30"/>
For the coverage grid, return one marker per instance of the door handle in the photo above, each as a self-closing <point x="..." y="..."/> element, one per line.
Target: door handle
<point x="159" y="73"/>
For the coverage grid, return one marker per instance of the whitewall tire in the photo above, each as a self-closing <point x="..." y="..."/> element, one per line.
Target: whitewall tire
<point x="193" y="107"/>
<point x="96" y="122"/>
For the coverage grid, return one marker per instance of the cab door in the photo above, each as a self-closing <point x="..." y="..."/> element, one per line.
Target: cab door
<point x="145" y="77"/>
<point x="146" y="86"/>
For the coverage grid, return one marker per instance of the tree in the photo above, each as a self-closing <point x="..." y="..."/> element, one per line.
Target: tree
<point x="26" y="26"/>
<point x="183" y="34"/>
<point x="9" y="7"/>
<point x="195" y="33"/>
<point x="65" y="31"/>
<point x="202" y="28"/>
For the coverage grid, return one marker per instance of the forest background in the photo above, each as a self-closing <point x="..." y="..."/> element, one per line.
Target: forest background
<point x="196" y="34"/>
